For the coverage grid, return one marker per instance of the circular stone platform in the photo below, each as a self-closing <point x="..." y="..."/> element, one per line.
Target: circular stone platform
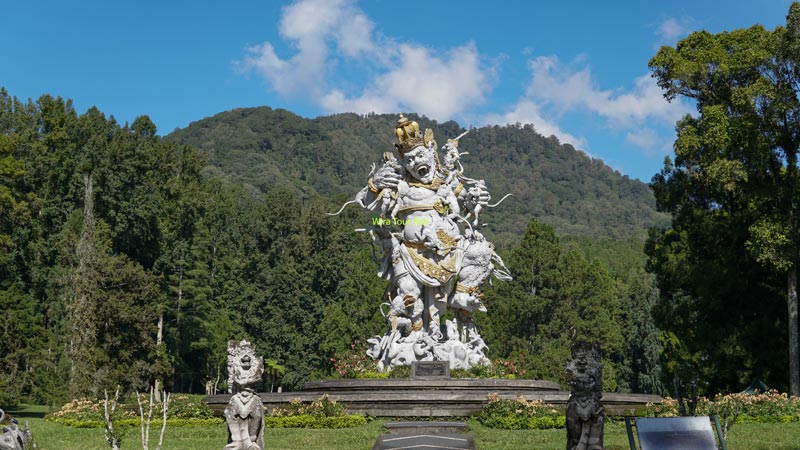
<point x="455" y="397"/>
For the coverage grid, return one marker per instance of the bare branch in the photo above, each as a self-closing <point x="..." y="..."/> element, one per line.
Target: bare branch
<point x="164" y="421"/>
<point x="111" y="437"/>
<point x="141" y="420"/>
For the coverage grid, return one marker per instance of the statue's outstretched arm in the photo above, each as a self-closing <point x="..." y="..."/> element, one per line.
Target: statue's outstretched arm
<point x="369" y="197"/>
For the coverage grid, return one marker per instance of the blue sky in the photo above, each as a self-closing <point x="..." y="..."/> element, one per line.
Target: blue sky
<point x="576" y="69"/>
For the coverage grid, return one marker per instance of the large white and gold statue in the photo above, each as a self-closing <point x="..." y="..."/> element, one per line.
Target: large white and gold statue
<point x="435" y="257"/>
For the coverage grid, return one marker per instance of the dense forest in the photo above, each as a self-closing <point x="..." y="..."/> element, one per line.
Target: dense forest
<point x="727" y="265"/>
<point x="330" y="156"/>
<point x="130" y="259"/>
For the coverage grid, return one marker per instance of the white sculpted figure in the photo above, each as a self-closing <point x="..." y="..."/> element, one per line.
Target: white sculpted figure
<point x="431" y="262"/>
<point x="245" y="412"/>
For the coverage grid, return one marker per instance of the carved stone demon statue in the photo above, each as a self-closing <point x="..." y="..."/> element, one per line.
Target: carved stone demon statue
<point x="245" y="412"/>
<point x="585" y="413"/>
<point x="434" y="257"/>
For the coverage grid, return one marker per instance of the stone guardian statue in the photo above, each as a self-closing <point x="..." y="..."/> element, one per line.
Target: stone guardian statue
<point x="585" y="414"/>
<point x="13" y="437"/>
<point x="245" y="412"/>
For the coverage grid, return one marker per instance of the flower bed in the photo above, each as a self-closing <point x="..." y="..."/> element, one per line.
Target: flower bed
<point x="184" y="410"/>
<point x="321" y="413"/>
<point x="520" y="414"/>
<point x="767" y="407"/>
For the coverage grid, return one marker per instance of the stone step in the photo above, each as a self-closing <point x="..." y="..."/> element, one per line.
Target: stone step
<point x="493" y="384"/>
<point x="426" y="426"/>
<point x="452" y="398"/>
<point x="425" y="441"/>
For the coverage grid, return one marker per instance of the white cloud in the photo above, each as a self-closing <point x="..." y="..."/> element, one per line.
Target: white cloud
<point x="528" y="112"/>
<point x="564" y="89"/>
<point x="437" y="86"/>
<point x="556" y="89"/>
<point x="653" y="142"/>
<point x="647" y="139"/>
<point x="409" y="77"/>
<point x="444" y="84"/>
<point x="311" y="26"/>
<point x="672" y="29"/>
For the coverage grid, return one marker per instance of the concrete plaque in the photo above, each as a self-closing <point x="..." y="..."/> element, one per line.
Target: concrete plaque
<point x="419" y="441"/>
<point x="675" y="433"/>
<point x="426" y="426"/>
<point x="430" y="369"/>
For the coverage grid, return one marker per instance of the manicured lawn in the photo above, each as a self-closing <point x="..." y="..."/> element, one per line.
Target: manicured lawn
<point x="51" y="436"/>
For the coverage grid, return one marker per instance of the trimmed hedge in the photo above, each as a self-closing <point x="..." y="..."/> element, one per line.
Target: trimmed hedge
<point x="520" y="414"/>
<point x="183" y="408"/>
<point x="309" y="421"/>
<point x="525" y="423"/>
<point x="77" y="423"/>
<point x="768" y="419"/>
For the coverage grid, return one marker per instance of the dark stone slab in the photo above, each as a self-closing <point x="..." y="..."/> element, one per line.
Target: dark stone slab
<point x="426" y="427"/>
<point x="421" y="441"/>
<point x="675" y="433"/>
<point x="430" y="369"/>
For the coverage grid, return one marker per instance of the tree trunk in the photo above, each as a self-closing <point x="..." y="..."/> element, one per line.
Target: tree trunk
<point x="82" y="307"/>
<point x="177" y="378"/>
<point x="159" y="340"/>
<point x="794" y="351"/>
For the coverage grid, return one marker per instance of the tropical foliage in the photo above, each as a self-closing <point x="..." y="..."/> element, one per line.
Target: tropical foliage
<point x="268" y="149"/>
<point x="184" y="410"/>
<point x="520" y="414"/>
<point x="727" y="266"/>
<point x="129" y="259"/>
<point x="762" y="407"/>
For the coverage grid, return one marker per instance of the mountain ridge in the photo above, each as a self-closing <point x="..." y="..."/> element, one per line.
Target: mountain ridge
<point x="331" y="156"/>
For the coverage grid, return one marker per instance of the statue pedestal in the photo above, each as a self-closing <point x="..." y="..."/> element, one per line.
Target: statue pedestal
<point x="454" y="397"/>
<point x="245" y="418"/>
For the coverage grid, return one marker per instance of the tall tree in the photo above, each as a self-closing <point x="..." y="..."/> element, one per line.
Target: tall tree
<point x="82" y="307"/>
<point x="556" y="297"/>
<point x="640" y="370"/>
<point x="519" y="308"/>
<point x="735" y="163"/>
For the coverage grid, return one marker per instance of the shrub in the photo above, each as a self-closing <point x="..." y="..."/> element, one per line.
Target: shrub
<point x="127" y="423"/>
<point x="769" y="406"/>
<point x="400" y="372"/>
<point x="184" y="410"/>
<point x="372" y="375"/>
<point x="321" y="413"/>
<point x="500" y="368"/>
<point x="309" y="421"/>
<point x="520" y="414"/>
<point x="322" y="407"/>
<point x="354" y="362"/>
<point x="181" y="406"/>
<point x="87" y="410"/>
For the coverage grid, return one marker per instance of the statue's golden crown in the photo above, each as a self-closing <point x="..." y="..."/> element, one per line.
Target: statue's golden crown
<point x="408" y="135"/>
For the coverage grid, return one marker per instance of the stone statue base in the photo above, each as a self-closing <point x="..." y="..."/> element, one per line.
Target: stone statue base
<point x="245" y="418"/>
<point x="393" y="349"/>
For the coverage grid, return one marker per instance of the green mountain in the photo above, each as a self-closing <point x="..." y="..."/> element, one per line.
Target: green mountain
<point x="332" y="156"/>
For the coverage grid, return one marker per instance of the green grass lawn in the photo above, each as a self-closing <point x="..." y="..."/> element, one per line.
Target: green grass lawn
<point x="50" y="436"/>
